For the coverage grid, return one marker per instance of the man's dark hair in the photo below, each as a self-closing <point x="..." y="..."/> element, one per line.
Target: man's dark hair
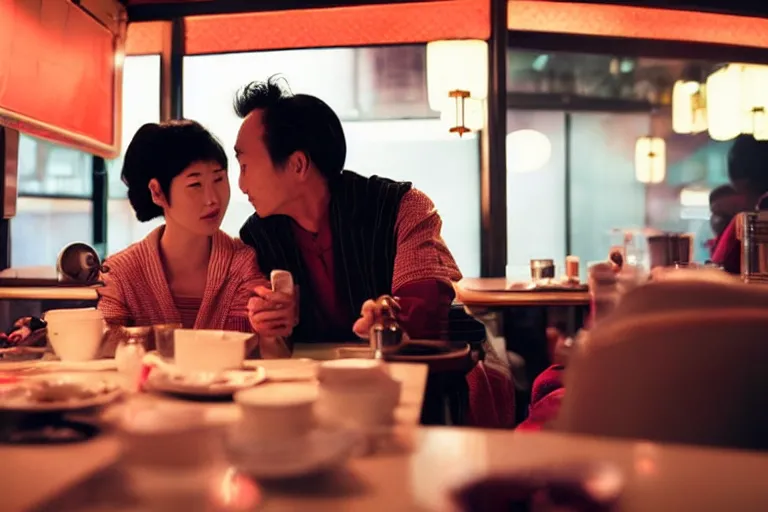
<point x="163" y="151"/>
<point x="295" y="122"/>
<point x="748" y="163"/>
<point x="722" y="191"/>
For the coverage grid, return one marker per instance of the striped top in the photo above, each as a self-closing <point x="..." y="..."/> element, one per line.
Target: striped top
<point x="188" y="308"/>
<point x="136" y="290"/>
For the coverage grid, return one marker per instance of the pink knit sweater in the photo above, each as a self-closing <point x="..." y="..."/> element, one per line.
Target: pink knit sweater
<point x="136" y="291"/>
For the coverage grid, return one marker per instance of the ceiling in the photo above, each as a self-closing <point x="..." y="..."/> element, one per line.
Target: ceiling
<point x="746" y="7"/>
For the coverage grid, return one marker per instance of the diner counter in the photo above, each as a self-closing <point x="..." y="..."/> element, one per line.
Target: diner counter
<point x="48" y="293"/>
<point x="493" y="292"/>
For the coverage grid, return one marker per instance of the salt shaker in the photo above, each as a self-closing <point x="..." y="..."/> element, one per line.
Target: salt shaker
<point x="129" y="354"/>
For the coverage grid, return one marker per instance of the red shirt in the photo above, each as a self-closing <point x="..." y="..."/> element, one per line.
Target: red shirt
<point x="422" y="280"/>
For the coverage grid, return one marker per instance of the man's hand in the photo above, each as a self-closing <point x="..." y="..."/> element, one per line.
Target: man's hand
<point x="272" y="314"/>
<point x="363" y="324"/>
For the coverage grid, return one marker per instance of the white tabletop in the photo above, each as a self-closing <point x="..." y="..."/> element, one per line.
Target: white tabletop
<point x="35" y="474"/>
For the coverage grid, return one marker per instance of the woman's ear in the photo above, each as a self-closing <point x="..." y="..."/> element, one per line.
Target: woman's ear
<point x="158" y="197"/>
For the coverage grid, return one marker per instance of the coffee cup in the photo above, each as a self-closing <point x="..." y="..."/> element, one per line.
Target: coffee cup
<point x="202" y="350"/>
<point x="356" y="393"/>
<point x="276" y="413"/>
<point x="75" y="334"/>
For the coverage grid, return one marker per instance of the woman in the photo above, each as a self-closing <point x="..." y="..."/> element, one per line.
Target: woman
<point x="187" y="271"/>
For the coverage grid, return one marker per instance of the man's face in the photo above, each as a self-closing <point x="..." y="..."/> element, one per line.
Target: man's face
<point x="268" y="188"/>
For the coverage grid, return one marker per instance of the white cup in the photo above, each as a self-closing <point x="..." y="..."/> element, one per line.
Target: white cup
<point x="276" y="413"/>
<point x="168" y="455"/>
<point x="212" y="351"/>
<point x="356" y="393"/>
<point x="75" y="334"/>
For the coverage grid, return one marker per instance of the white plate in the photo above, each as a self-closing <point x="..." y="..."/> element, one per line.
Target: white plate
<point x="18" y="396"/>
<point x="280" y="370"/>
<point x="321" y="450"/>
<point x="205" y="385"/>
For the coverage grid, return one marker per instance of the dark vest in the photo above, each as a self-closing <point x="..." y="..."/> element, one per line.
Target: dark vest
<point x="363" y="212"/>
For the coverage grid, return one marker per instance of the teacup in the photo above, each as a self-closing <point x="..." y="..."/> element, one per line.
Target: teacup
<point x="201" y="350"/>
<point x="75" y="334"/>
<point x="276" y="413"/>
<point x="357" y="393"/>
<point x="170" y="455"/>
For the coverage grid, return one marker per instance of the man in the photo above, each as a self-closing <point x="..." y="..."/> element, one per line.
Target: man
<point x="346" y="239"/>
<point x="747" y="166"/>
<point x="724" y="203"/>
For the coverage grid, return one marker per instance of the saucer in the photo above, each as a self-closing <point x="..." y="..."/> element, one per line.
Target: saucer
<point x="321" y="450"/>
<point x="205" y="385"/>
<point x="286" y="370"/>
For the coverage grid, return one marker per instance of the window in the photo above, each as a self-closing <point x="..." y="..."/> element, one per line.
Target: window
<point x="47" y="169"/>
<point x="141" y="104"/>
<point x="54" y="204"/>
<point x="591" y="110"/>
<point x="380" y="95"/>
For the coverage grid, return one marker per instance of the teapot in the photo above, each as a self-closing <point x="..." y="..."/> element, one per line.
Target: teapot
<point x="78" y="263"/>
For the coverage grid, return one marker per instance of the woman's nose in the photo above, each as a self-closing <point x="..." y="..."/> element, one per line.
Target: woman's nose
<point x="212" y="196"/>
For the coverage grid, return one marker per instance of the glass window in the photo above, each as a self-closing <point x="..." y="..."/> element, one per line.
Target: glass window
<point x="141" y="104"/>
<point x="48" y="169"/>
<point x="380" y="95"/>
<point x="43" y="226"/>
<point x="535" y="189"/>
<point x="591" y="110"/>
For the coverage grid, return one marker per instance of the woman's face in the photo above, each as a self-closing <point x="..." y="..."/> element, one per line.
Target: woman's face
<point x="199" y="198"/>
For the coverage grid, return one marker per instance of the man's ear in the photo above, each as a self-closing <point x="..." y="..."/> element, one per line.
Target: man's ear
<point x="158" y="197"/>
<point x="299" y="164"/>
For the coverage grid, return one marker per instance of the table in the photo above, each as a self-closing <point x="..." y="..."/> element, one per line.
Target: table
<point x="35" y="474"/>
<point x="658" y="477"/>
<point x="519" y="320"/>
<point x="87" y="293"/>
<point x="491" y="292"/>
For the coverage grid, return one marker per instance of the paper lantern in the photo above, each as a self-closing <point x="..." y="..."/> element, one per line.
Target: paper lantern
<point x="650" y="159"/>
<point x="724" y="103"/>
<point x="689" y="113"/>
<point x="755" y="100"/>
<point x="737" y="101"/>
<point x="460" y="65"/>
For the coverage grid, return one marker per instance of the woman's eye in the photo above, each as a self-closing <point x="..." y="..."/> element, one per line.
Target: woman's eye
<point x="194" y="185"/>
<point x="218" y="180"/>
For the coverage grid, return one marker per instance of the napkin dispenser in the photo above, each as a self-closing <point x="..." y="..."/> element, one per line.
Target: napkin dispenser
<point x="752" y="232"/>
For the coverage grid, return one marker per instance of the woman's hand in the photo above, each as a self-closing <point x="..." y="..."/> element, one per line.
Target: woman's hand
<point x="272" y="314"/>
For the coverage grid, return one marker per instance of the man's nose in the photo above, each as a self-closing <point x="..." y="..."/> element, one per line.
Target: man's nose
<point x="241" y="184"/>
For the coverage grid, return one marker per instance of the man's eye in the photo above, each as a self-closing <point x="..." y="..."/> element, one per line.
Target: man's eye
<point x="194" y="185"/>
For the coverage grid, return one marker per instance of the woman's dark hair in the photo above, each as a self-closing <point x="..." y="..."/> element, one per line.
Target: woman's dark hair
<point x="163" y="151"/>
<point x="748" y="164"/>
<point x="295" y="122"/>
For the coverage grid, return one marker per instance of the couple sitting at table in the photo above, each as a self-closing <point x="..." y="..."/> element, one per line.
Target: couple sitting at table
<point x="346" y="239"/>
